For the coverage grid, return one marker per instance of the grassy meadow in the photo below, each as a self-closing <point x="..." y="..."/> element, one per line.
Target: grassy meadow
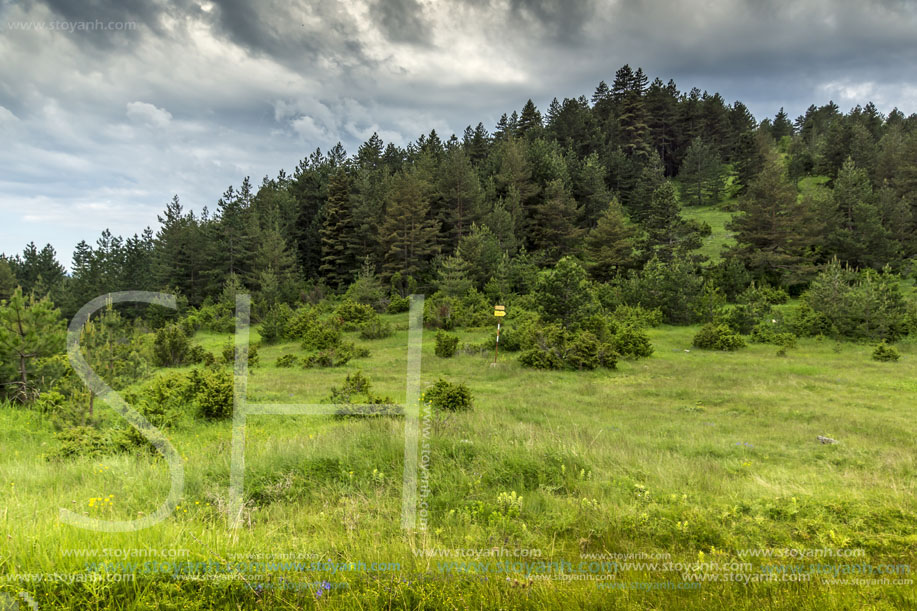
<point x="683" y="461"/>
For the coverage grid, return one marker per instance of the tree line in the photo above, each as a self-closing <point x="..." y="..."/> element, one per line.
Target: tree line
<point x="602" y="179"/>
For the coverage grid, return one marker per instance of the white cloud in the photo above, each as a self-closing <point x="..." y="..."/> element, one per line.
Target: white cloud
<point x="148" y="114"/>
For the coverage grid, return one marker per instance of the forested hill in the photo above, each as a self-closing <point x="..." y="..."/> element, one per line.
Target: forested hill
<point x="607" y="180"/>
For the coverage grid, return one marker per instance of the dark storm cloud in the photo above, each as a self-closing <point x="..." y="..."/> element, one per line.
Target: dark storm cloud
<point x="402" y="21"/>
<point x="561" y="20"/>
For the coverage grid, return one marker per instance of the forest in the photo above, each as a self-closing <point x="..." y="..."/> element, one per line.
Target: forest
<point x="706" y="278"/>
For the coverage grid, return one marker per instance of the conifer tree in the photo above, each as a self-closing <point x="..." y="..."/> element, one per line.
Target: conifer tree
<point x="774" y="231"/>
<point x="408" y="234"/>
<point x="339" y="260"/>
<point x="30" y="329"/>
<point x="610" y="244"/>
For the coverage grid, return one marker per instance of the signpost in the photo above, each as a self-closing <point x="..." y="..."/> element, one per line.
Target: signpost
<point x="499" y="312"/>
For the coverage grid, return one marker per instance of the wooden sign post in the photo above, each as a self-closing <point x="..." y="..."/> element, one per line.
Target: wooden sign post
<point x="499" y="312"/>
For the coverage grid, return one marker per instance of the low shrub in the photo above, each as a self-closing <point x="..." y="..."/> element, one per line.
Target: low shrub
<point x="446" y="344"/>
<point x="275" y="323"/>
<point x="885" y="352"/>
<point x="228" y="354"/>
<point x="287" y="360"/>
<point x="352" y="315"/>
<point x="446" y="396"/>
<point x="300" y="322"/>
<point x="553" y="347"/>
<point x="171" y="346"/>
<point x="717" y="337"/>
<point x="212" y="390"/>
<point x="398" y="304"/>
<point x="630" y="341"/>
<point x="334" y="356"/>
<point x="376" y="329"/>
<point x="637" y="316"/>
<point x="321" y="336"/>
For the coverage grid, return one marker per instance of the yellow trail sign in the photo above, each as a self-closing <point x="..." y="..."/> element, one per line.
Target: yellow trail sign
<point x="499" y="313"/>
<point x="501" y="308"/>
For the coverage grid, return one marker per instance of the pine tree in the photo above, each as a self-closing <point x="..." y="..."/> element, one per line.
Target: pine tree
<point x="855" y="231"/>
<point x="8" y="280"/>
<point x="408" y="234"/>
<point x="460" y="193"/>
<point x="701" y="174"/>
<point x="553" y="227"/>
<point x="529" y="120"/>
<point x="339" y="260"/>
<point x="30" y="329"/>
<point x="775" y="231"/>
<point x="782" y="126"/>
<point x="749" y="159"/>
<point x="610" y="244"/>
<point x="453" y="279"/>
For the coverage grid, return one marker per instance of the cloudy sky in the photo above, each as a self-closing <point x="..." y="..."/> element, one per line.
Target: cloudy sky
<point x="100" y="126"/>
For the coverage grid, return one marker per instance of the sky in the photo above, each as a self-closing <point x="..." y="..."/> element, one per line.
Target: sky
<point x="110" y="107"/>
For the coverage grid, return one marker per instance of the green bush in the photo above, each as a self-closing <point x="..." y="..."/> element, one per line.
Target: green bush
<point x="334" y="356"/>
<point x="301" y="322"/>
<point x="860" y="304"/>
<point x="630" y="341"/>
<point x="212" y="390"/>
<point x="171" y="346"/>
<point x="717" y="337"/>
<point x="637" y="316"/>
<point x="885" y="352"/>
<point x="446" y="396"/>
<point x="228" y="354"/>
<point x="446" y="344"/>
<point x="275" y="323"/>
<point x="398" y="304"/>
<point x="287" y="360"/>
<point x="769" y="333"/>
<point x="553" y="347"/>
<point x="350" y="315"/>
<point x="321" y="336"/>
<point x="376" y="329"/>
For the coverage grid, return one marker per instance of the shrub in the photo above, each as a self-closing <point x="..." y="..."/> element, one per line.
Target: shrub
<point x="769" y="333"/>
<point x="717" y="337"/>
<point x="862" y="304"/>
<point x="398" y="305"/>
<point x="171" y="346"/>
<point x="439" y="312"/>
<point x="335" y="356"/>
<point x="81" y="442"/>
<point x="197" y="354"/>
<point x="632" y="342"/>
<point x="300" y="322"/>
<point x="537" y="358"/>
<point x="552" y="347"/>
<point x="321" y="336"/>
<point x="450" y="397"/>
<point x="376" y="329"/>
<point x="275" y="323"/>
<point x="366" y="288"/>
<point x="446" y="344"/>
<point x="212" y="390"/>
<point x="637" y="316"/>
<point x="287" y="360"/>
<point x="351" y="315"/>
<point x="563" y="293"/>
<point x="674" y="287"/>
<point x="885" y="352"/>
<point x="229" y="354"/>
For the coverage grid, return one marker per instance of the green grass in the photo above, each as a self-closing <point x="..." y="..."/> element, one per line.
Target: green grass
<point x="691" y="453"/>
<point x="716" y="217"/>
